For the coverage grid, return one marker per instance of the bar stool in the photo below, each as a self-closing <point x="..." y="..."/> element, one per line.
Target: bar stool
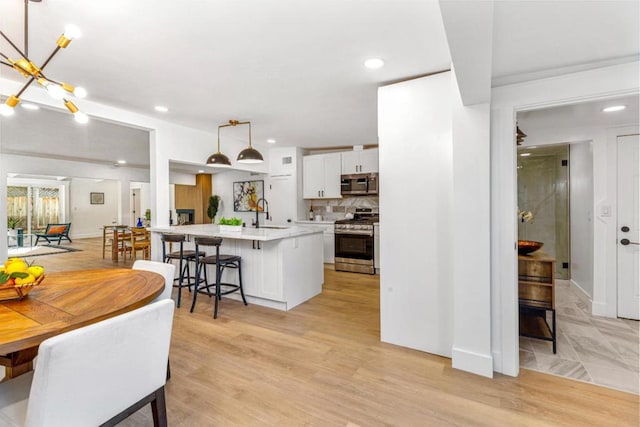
<point x="184" y="257"/>
<point x="221" y="262"/>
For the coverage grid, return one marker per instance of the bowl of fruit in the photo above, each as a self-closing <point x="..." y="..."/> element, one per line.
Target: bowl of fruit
<point x="18" y="277"/>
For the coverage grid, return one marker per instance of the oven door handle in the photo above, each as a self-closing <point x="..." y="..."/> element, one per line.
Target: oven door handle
<point x="358" y="232"/>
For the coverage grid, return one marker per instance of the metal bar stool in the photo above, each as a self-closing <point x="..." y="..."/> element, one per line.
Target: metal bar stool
<point x="221" y="262"/>
<point x="184" y="257"/>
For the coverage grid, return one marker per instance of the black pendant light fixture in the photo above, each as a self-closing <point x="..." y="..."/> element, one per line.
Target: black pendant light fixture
<point x="249" y="155"/>
<point x="217" y="158"/>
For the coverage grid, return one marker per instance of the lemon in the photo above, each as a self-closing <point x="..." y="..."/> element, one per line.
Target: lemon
<point x="16" y="266"/>
<point x="11" y="261"/>
<point x="28" y="279"/>
<point x="36" y="271"/>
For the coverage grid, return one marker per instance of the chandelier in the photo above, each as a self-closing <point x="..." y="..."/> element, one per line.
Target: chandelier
<point x="248" y="155"/>
<point x="33" y="73"/>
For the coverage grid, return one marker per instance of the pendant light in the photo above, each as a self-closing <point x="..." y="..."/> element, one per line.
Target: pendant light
<point x="33" y="73"/>
<point x="249" y="155"/>
<point x="219" y="159"/>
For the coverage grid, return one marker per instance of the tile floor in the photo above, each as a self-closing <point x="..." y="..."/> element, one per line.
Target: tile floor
<point x="599" y="350"/>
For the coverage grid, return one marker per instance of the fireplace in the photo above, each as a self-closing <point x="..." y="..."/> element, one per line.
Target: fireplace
<point x="185" y="216"/>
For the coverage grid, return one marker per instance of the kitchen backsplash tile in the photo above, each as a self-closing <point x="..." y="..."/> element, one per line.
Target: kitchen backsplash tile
<point x="334" y="209"/>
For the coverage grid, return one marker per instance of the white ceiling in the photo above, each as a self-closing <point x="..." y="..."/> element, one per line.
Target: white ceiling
<point x="584" y="115"/>
<point x="293" y="68"/>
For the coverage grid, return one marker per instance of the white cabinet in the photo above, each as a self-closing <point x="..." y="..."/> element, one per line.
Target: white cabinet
<point x="328" y="236"/>
<point x="329" y="248"/>
<point x="321" y="176"/>
<point x="261" y="269"/>
<point x="360" y="161"/>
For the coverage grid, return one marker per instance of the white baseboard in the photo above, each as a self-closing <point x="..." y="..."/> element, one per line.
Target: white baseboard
<point x="582" y="294"/>
<point x="476" y="363"/>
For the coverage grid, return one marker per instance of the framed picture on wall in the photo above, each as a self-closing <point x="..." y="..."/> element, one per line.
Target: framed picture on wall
<point x="246" y="195"/>
<point x="97" y="198"/>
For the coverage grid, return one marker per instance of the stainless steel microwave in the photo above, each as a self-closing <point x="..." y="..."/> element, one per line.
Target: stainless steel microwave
<point x="359" y="184"/>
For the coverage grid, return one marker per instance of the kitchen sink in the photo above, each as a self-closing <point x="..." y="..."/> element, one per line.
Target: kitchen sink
<point x="275" y="227"/>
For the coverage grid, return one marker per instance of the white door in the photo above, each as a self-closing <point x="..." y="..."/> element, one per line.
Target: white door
<point x="135" y="195"/>
<point x="282" y="198"/>
<point x="628" y="226"/>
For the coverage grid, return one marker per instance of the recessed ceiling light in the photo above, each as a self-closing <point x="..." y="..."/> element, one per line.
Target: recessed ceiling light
<point x="28" y="106"/>
<point x="161" y="108"/>
<point x="374" y="63"/>
<point x="614" y="108"/>
<point x="525" y="154"/>
<point x="122" y="162"/>
<point x="533" y="146"/>
<point x="200" y="171"/>
<point x="271" y="141"/>
<point x="61" y="178"/>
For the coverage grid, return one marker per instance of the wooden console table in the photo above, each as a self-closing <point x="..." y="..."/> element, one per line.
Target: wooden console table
<point x="537" y="296"/>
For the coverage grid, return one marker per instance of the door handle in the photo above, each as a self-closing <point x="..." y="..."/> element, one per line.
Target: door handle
<point x="625" y="229"/>
<point x="626" y="242"/>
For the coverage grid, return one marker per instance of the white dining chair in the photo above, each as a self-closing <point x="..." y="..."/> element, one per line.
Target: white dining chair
<point x="95" y="375"/>
<point x="167" y="271"/>
<point x="162" y="268"/>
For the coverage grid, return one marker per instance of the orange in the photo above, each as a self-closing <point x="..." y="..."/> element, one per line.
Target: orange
<point x="28" y="279"/>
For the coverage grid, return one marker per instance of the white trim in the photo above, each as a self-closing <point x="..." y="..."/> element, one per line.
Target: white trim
<point x="580" y="293"/>
<point x="574" y="88"/>
<point x="476" y="363"/>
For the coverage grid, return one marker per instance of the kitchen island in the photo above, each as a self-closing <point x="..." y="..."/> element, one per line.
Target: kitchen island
<point x="282" y="267"/>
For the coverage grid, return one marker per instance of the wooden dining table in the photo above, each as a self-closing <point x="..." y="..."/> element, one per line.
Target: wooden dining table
<point x="65" y="301"/>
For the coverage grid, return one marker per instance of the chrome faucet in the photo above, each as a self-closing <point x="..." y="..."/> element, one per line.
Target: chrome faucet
<point x="265" y="206"/>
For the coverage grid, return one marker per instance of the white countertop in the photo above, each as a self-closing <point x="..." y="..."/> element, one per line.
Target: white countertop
<point x="307" y="221"/>
<point x="247" y="233"/>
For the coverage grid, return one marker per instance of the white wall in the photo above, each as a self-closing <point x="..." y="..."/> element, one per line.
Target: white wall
<point x="86" y="219"/>
<point x="167" y="143"/>
<point x="471" y="237"/>
<point x="581" y="215"/>
<point x="415" y="147"/>
<point x="223" y="187"/>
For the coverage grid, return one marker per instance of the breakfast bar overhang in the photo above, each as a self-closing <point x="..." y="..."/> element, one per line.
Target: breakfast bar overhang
<point x="281" y="267"/>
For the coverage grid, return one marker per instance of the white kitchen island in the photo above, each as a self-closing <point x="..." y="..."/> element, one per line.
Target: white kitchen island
<point x="281" y="267"/>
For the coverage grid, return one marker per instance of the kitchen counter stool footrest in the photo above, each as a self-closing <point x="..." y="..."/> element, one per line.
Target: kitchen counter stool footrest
<point x="220" y="261"/>
<point x="184" y="258"/>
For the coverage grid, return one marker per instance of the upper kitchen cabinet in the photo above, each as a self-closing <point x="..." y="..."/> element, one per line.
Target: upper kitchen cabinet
<point x="321" y="176"/>
<point x="360" y="161"/>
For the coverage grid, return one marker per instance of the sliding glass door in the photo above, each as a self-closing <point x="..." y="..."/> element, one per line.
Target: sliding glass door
<point x="32" y="207"/>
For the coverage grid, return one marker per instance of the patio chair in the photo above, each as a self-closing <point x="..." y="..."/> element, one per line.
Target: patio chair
<point x="55" y="231"/>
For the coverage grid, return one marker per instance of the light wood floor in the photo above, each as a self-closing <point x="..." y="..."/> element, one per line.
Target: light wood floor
<point x="322" y="364"/>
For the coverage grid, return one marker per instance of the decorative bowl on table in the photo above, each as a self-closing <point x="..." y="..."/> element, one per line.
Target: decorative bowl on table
<point x="13" y="291"/>
<point x="525" y="247"/>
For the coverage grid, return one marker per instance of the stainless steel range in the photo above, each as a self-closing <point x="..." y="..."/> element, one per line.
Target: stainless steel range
<point x="355" y="243"/>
